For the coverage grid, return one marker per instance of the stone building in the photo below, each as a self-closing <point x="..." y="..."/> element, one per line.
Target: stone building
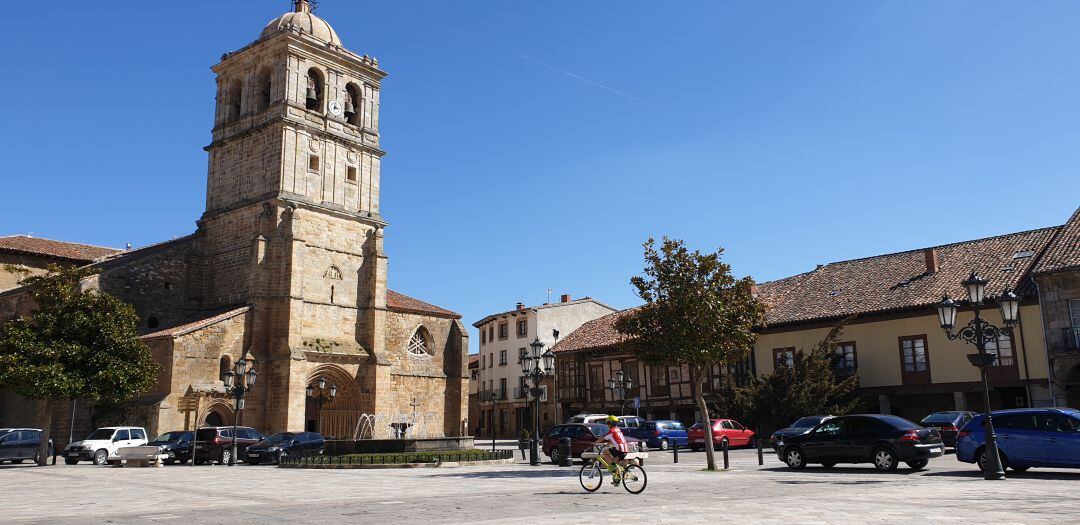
<point x="1057" y="282"/>
<point x="286" y="267"/>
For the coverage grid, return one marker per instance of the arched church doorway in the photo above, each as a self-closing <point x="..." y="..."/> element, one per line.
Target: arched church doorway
<point x="1072" y="388"/>
<point x="337" y="417"/>
<point x="217" y="415"/>
<point x="214" y="419"/>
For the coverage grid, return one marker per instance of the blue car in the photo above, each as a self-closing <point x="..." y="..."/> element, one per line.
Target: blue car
<point x="1026" y="437"/>
<point x="662" y="434"/>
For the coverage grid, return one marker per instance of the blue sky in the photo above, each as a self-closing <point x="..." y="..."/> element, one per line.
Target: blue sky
<point x="536" y="145"/>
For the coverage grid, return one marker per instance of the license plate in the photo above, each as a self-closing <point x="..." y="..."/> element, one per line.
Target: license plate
<point x="251" y="455"/>
<point x="198" y="446"/>
<point x="73" y="454"/>
<point x="936" y="449"/>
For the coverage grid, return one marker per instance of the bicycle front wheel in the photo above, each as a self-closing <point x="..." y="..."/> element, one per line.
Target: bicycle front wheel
<point x="634" y="479"/>
<point x="591" y="476"/>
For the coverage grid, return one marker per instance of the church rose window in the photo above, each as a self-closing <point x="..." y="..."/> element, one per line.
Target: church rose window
<point x="420" y="345"/>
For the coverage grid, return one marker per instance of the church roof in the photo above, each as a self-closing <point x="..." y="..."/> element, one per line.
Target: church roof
<point x="404" y="303"/>
<point x="49" y="248"/>
<point x="301" y="19"/>
<point x="206" y="319"/>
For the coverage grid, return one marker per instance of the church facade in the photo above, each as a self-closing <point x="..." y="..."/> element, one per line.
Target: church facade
<point x="286" y="268"/>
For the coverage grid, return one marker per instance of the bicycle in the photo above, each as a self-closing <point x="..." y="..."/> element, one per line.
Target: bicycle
<point x="632" y="477"/>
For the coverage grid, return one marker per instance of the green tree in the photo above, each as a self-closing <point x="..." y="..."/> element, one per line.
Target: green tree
<point x="811" y="385"/>
<point x="695" y="313"/>
<point x="78" y="344"/>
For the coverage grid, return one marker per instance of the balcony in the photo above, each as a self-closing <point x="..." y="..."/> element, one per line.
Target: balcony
<point x="1071" y="337"/>
<point x="521" y="392"/>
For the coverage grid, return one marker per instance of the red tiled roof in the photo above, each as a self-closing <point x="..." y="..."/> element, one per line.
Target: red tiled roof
<point x="598" y="333"/>
<point x="1064" y="252"/>
<point x="474" y="360"/>
<point x="205" y="320"/>
<point x="900" y="280"/>
<point x="404" y="303"/>
<point x="50" y="248"/>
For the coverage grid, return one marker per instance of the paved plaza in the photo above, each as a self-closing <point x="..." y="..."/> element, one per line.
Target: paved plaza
<point x="945" y="492"/>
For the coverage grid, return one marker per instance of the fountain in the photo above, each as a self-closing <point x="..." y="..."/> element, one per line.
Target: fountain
<point x="400" y="432"/>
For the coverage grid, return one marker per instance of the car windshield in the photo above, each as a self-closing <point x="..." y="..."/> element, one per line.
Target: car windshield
<point x="101" y="433"/>
<point x="806" y="422"/>
<point x="206" y="434"/>
<point x="940" y="417"/>
<point x="598" y="430"/>
<point x="280" y="437"/>
<point x="172" y="436"/>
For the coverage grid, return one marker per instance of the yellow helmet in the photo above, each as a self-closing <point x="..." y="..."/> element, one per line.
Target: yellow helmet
<point x="612" y="420"/>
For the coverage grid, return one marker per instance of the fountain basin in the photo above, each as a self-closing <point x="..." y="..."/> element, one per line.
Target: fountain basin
<point x="337" y="447"/>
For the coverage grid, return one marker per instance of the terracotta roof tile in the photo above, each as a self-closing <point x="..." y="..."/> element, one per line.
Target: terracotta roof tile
<point x="50" y="248"/>
<point x="599" y="332"/>
<point x="404" y="303"/>
<point x="204" y="320"/>
<point x="1064" y="252"/>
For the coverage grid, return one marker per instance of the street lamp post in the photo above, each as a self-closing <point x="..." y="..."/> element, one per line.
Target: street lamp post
<point x="620" y="384"/>
<point x="320" y="395"/>
<point x="238" y="382"/>
<point x="537" y="366"/>
<point x="979" y="332"/>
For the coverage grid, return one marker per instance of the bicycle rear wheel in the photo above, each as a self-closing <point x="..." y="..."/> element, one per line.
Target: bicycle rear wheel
<point x="634" y="479"/>
<point x="591" y="476"/>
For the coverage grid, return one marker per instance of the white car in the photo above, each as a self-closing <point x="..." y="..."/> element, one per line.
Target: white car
<point x="588" y="418"/>
<point x="102" y="444"/>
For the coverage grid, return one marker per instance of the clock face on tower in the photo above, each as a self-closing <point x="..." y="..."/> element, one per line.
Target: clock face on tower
<point x="334" y="107"/>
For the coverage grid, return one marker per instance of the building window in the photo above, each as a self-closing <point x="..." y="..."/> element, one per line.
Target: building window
<point x="483" y="362"/>
<point x="503" y="331"/>
<point x="350" y="173"/>
<point x="502" y="388"/>
<point x="521" y="355"/>
<point x="491" y="332"/>
<point x="784" y="357"/>
<point x="236" y="99"/>
<point x="845" y="362"/>
<point x="483" y="336"/>
<point x="420" y="343"/>
<point x="1003" y="347"/>
<point x="596" y="382"/>
<point x="522" y="328"/>
<point x="914" y="360"/>
<point x="502" y="357"/>
<point x="224" y="365"/>
<point x="658" y="381"/>
<point x="313" y="163"/>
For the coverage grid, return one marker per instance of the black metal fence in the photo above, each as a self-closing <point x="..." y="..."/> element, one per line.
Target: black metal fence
<point x="399" y="458"/>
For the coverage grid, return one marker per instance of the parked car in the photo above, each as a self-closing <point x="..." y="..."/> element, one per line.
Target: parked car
<point x="582" y="436"/>
<point x="176" y="444"/>
<point x="102" y="444"/>
<point x="215" y="443"/>
<point x="948" y="424"/>
<point x="1026" y="437"/>
<point x="291" y="444"/>
<point x="20" y="444"/>
<point x="885" y="441"/>
<point x="723" y="430"/>
<point x="630" y="421"/>
<point x="662" y="434"/>
<point x="587" y="418"/>
<point x="800" y="426"/>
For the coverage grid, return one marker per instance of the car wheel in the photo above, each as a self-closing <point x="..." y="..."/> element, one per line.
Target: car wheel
<point x="226" y="456"/>
<point x="664" y="444"/>
<point x="70" y="461"/>
<point x="694" y="448"/>
<point x="794" y="458"/>
<point x="554" y="455"/>
<point x="828" y="464"/>
<point x="170" y="461"/>
<point x="752" y="443"/>
<point x="918" y="464"/>
<point x="101" y="457"/>
<point x="983" y="460"/>
<point x="884" y="459"/>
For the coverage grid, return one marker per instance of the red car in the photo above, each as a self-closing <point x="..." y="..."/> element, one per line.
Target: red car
<point x="582" y="436"/>
<point x="728" y="430"/>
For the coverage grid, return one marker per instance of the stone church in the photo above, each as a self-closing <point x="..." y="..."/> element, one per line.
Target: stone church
<point x="286" y="268"/>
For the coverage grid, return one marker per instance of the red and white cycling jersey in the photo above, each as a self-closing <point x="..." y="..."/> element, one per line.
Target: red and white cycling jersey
<point x="616" y="438"/>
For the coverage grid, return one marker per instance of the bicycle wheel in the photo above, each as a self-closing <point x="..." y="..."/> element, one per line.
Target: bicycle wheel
<point x="591" y="476"/>
<point x="634" y="479"/>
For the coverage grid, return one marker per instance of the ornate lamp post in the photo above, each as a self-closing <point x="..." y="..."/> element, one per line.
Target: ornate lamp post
<point x="537" y="366"/>
<point x="979" y="332"/>
<point x="320" y="395"/>
<point x="238" y="382"/>
<point x="620" y="384"/>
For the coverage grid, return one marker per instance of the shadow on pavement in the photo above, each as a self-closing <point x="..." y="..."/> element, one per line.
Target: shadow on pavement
<point x="1009" y="474"/>
<point x="843" y="470"/>
<point x="514" y="473"/>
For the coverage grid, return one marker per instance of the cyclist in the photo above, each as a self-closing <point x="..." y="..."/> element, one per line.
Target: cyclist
<point x="618" y="449"/>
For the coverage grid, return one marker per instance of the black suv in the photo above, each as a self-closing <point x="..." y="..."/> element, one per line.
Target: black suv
<point x="215" y="443"/>
<point x="285" y="444"/>
<point x="20" y="444"/>
<point x="882" y="440"/>
<point x="176" y="444"/>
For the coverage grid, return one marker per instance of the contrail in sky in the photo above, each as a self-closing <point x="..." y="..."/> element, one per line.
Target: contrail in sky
<point x="583" y="79"/>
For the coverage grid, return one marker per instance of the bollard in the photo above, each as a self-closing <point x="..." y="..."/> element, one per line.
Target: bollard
<point x="760" y="451"/>
<point x="566" y="457"/>
<point x="724" y="443"/>
<point x="675" y="452"/>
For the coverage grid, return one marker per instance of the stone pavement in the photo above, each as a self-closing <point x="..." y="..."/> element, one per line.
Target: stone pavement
<point x="947" y="491"/>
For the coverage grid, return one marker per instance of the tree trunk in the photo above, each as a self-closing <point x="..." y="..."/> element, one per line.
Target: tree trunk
<point x="697" y="376"/>
<point x="45" y="408"/>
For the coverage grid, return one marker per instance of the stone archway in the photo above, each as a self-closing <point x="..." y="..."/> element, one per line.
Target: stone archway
<point x="218" y="414"/>
<point x="1072" y="387"/>
<point x="335" y="419"/>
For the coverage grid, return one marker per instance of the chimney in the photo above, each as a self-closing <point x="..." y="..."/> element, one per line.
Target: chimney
<point x="521" y="306"/>
<point x="565" y="298"/>
<point x="930" y="255"/>
<point x="753" y="290"/>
